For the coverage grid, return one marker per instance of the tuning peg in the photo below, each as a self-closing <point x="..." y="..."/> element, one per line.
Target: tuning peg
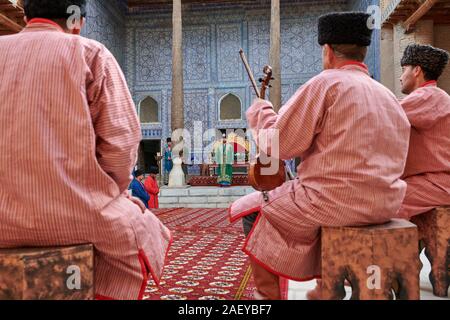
<point x="272" y="78"/>
<point x="270" y="86"/>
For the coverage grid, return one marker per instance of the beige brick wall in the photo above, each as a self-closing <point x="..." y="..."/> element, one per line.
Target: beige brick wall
<point x="423" y="34"/>
<point x="442" y="40"/>
<point x="394" y="41"/>
<point x="384" y="4"/>
<point x="387" y="57"/>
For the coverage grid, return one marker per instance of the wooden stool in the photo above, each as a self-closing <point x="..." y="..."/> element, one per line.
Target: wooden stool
<point x="434" y="235"/>
<point x="376" y="260"/>
<point x="64" y="273"/>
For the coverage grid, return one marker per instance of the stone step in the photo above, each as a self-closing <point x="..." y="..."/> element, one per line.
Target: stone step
<point x="201" y="197"/>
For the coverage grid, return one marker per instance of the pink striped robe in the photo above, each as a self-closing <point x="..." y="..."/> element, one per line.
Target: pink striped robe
<point x="352" y="135"/>
<point x="428" y="167"/>
<point x="69" y="136"/>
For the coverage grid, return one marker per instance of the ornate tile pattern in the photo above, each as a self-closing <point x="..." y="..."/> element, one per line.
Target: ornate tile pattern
<point x="105" y="22"/>
<point x="142" y="43"/>
<point x="373" y="57"/>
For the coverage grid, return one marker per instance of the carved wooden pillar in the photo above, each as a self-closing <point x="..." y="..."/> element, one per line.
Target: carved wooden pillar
<point x="177" y="68"/>
<point x="275" y="50"/>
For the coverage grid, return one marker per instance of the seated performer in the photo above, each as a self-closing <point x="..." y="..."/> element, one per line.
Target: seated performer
<point x="69" y="126"/>
<point x="427" y="172"/>
<point x="352" y="136"/>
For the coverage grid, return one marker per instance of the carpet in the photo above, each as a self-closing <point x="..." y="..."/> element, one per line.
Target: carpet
<point x="205" y="181"/>
<point x="205" y="261"/>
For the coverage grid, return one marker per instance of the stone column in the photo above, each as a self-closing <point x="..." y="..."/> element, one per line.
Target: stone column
<point x="177" y="68"/>
<point x="422" y="34"/>
<point x="275" y="50"/>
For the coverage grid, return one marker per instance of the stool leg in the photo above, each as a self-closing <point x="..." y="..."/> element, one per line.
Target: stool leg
<point x="408" y="287"/>
<point x="333" y="285"/>
<point x="362" y="291"/>
<point x="407" y="276"/>
<point x="439" y="275"/>
<point x="437" y="243"/>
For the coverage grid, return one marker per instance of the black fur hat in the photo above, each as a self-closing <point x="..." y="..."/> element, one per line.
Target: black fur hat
<point x="154" y="170"/>
<point x="345" y="28"/>
<point x="432" y="60"/>
<point x="52" y="9"/>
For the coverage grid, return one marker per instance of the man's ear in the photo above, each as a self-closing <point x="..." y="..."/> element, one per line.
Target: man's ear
<point x="329" y="52"/>
<point x="25" y="19"/>
<point x="417" y="71"/>
<point x="326" y="48"/>
<point x="78" y="31"/>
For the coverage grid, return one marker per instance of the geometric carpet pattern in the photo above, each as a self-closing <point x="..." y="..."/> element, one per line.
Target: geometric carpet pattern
<point x="205" y="181"/>
<point x="205" y="261"/>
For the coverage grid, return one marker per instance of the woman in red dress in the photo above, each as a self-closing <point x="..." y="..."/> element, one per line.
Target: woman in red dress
<point x="151" y="186"/>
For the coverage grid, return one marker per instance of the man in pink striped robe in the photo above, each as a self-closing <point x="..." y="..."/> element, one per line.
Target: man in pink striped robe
<point x="69" y="136"/>
<point x="352" y="136"/>
<point x="427" y="170"/>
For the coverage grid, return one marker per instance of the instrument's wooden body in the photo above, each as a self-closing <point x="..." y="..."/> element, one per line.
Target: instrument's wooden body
<point x="258" y="180"/>
<point x="262" y="182"/>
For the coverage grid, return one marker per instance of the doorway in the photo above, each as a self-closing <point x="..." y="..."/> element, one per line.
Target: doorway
<point x="149" y="149"/>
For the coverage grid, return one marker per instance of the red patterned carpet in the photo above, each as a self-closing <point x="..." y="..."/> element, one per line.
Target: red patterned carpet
<point x="204" y="181"/>
<point x="205" y="261"/>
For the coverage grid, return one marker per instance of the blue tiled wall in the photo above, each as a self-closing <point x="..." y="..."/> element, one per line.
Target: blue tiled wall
<point x="373" y="57"/>
<point x="142" y="44"/>
<point x="105" y="22"/>
<point x="212" y="66"/>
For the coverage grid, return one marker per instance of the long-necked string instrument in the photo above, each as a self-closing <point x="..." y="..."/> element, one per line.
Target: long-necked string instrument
<point x="258" y="180"/>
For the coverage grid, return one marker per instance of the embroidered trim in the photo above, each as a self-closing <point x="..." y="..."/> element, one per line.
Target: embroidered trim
<point x="429" y="83"/>
<point x="45" y="21"/>
<point x="355" y="63"/>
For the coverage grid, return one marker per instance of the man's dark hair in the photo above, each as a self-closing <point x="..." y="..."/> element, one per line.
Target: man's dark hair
<point x="350" y="51"/>
<point x="154" y="170"/>
<point x="139" y="172"/>
<point x="52" y="9"/>
<point x="430" y="75"/>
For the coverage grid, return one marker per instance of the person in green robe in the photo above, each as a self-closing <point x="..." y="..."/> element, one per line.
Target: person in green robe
<point x="225" y="158"/>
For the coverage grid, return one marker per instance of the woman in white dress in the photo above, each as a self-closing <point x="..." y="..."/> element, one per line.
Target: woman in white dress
<point x="176" y="178"/>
